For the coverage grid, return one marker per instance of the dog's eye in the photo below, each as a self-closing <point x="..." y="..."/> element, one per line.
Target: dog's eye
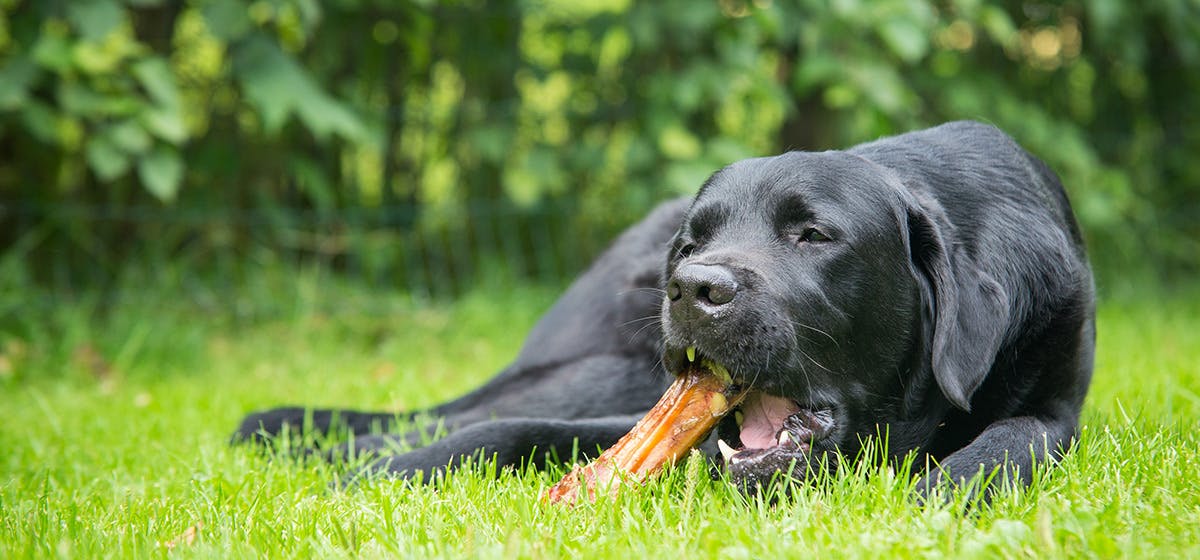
<point x="687" y="250"/>
<point x="812" y="235"/>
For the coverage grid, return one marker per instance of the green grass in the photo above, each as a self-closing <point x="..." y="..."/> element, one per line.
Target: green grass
<point x="115" y="420"/>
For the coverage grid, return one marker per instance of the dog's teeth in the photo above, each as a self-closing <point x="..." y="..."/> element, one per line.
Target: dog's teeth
<point x="784" y="437"/>
<point x="726" y="451"/>
<point x="739" y="417"/>
<point x="691" y="353"/>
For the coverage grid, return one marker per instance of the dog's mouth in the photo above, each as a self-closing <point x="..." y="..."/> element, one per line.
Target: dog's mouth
<point x="765" y="425"/>
<point x="702" y="395"/>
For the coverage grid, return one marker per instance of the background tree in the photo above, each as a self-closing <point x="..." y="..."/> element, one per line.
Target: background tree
<point x="419" y="142"/>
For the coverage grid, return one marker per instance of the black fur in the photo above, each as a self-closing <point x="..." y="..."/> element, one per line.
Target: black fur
<point x="931" y="286"/>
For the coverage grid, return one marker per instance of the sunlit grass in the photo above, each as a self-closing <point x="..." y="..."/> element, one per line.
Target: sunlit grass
<point x="115" y="427"/>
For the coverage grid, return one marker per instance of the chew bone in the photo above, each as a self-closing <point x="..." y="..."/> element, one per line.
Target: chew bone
<point x="684" y="415"/>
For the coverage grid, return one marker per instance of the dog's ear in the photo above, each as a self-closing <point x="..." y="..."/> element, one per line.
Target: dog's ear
<point x="969" y="309"/>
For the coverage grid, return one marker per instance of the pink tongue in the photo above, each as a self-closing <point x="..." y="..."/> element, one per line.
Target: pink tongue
<point x="764" y="416"/>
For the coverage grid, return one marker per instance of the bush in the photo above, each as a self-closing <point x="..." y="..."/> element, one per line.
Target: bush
<point x="383" y="136"/>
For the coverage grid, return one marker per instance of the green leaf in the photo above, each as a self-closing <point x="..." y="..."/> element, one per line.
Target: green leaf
<point x="165" y="118"/>
<point x="323" y="115"/>
<point x="688" y="90"/>
<point x="227" y="19"/>
<point x="676" y="142"/>
<point x="129" y="136"/>
<point x="166" y="124"/>
<point x="53" y="51"/>
<point x="154" y="74"/>
<point x="815" y="69"/>
<point x="492" y="141"/>
<point x="15" y="80"/>
<point x="41" y="121"/>
<point x="313" y="181"/>
<point x="998" y="25"/>
<point x="94" y="60"/>
<point x="106" y="160"/>
<point x="94" y="19"/>
<point x="161" y="172"/>
<point x="841" y="95"/>
<point x="278" y="86"/>
<point x="884" y="87"/>
<point x="310" y="13"/>
<point x="271" y="81"/>
<point x="905" y="39"/>
<point x="728" y="150"/>
<point x="79" y="99"/>
<point x="685" y="177"/>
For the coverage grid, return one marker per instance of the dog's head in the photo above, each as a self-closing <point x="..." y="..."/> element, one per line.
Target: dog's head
<point x="818" y="280"/>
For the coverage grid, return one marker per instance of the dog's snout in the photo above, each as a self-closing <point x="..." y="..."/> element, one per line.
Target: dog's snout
<point x="705" y="284"/>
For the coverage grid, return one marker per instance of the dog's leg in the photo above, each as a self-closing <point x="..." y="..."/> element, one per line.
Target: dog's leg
<point x="262" y="427"/>
<point x="587" y="387"/>
<point x="1007" y="451"/>
<point x="510" y="442"/>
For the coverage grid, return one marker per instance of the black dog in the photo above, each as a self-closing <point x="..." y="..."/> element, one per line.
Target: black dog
<point x="930" y="288"/>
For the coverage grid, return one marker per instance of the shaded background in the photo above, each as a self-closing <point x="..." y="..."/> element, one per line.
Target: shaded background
<point x="435" y="147"/>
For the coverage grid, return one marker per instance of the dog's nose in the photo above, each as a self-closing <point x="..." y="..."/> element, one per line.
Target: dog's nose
<point x="705" y="284"/>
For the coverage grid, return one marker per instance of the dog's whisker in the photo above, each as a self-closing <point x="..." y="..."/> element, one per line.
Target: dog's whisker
<point x="812" y="328"/>
<point x="811" y="359"/>
<point x="807" y="378"/>
<point x="654" y="317"/>
<point x="644" y="327"/>
<point x="654" y="291"/>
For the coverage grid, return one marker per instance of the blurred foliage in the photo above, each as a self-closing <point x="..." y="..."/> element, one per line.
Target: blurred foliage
<point x="383" y="133"/>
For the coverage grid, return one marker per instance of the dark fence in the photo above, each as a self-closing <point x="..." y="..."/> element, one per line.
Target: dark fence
<point x="490" y="243"/>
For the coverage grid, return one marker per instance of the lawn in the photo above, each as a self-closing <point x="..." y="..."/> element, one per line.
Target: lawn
<point x="117" y="410"/>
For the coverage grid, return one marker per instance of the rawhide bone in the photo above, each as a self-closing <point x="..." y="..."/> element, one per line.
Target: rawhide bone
<point x="684" y="415"/>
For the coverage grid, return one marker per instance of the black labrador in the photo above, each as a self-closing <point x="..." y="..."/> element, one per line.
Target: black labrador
<point x="930" y="289"/>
